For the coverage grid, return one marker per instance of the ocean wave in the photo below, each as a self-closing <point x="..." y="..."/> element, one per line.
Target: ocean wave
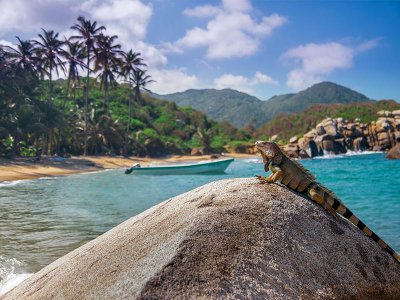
<point x="347" y="154"/>
<point x="47" y="178"/>
<point x="11" y="274"/>
<point x="253" y="160"/>
<point x="11" y="183"/>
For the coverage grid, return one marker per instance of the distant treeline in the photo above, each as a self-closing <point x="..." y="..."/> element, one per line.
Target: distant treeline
<point x="104" y="112"/>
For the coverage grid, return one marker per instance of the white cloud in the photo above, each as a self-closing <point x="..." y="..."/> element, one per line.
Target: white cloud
<point x="243" y="84"/>
<point x="263" y="78"/>
<point x="367" y="45"/>
<point x="167" y="47"/>
<point x="22" y="16"/>
<point x="7" y="43"/>
<point x="202" y="11"/>
<point x="232" y="31"/>
<point x="316" y="61"/>
<point x="172" y="80"/>
<point x="126" y="18"/>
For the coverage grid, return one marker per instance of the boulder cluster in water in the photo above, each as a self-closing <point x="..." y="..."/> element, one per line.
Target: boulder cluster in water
<point x="337" y="136"/>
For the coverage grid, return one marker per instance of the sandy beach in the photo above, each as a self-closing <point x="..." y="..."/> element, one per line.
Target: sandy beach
<point x="20" y="168"/>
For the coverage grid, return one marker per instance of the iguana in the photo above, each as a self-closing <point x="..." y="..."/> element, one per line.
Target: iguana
<point x="296" y="177"/>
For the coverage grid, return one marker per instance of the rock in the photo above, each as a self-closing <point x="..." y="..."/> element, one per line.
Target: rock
<point x="396" y="113"/>
<point x="360" y="144"/>
<point x="394" y="153"/>
<point x="293" y="140"/>
<point x="197" y="151"/>
<point x="313" y="149"/>
<point x="303" y="154"/>
<point x="384" y="113"/>
<point x="330" y="129"/>
<point x="292" y="150"/>
<point x="231" y="239"/>
<point x="274" y="138"/>
<point x="397" y="136"/>
<point x="328" y="146"/>
<point x="311" y="134"/>
<point x="320" y="130"/>
<point x="243" y="148"/>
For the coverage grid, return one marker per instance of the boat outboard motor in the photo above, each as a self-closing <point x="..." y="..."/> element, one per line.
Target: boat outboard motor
<point x="129" y="170"/>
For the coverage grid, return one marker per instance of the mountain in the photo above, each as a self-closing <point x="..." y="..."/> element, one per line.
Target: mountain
<point x="240" y="108"/>
<point x="235" y="107"/>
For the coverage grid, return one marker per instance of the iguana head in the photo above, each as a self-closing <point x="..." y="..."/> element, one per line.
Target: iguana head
<point x="270" y="152"/>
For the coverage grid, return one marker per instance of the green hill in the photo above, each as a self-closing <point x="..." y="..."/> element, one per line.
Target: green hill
<point x="241" y="109"/>
<point x="289" y="125"/>
<point x="222" y="105"/>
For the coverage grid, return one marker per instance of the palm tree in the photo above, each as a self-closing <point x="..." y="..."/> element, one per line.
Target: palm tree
<point x="88" y="34"/>
<point x="74" y="56"/>
<point x="139" y="79"/>
<point x="107" y="62"/>
<point x="130" y="63"/>
<point x="49" y="51"/>
<point x="23" y="56"/>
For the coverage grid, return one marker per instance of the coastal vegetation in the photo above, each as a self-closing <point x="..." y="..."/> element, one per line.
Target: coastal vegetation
<point x="48" y="107"/>
<point x="297" y="124"/>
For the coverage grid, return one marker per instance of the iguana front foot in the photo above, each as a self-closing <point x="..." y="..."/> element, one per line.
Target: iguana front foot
<point x="263" y="180"/>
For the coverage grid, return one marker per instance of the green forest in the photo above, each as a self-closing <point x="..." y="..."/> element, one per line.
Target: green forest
<point x="85" y="96"/>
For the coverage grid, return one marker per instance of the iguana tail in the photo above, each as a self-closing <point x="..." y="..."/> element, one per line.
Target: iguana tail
<point x="325" y="197"/>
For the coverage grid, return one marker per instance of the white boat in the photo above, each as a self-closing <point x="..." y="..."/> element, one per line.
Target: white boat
<point x="214" y="166"/>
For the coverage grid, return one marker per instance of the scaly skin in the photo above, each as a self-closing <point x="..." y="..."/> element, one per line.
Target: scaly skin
<point x="297" y="178"/>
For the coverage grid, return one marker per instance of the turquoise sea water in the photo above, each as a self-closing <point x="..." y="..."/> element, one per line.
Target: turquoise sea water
<point x="41" y="220"/>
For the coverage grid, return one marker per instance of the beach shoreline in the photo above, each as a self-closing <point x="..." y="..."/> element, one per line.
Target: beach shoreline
<point x="22" y="169"/>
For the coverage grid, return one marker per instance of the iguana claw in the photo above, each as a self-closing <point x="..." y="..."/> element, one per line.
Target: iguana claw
<point x="262" y="179"/>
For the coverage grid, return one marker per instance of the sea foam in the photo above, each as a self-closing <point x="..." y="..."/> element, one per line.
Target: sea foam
<point x="347" y="154"/>
<point x="11" y="274"/>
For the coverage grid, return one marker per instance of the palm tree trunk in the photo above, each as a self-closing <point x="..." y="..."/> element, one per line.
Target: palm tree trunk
<point x="63" y="108"/>
<point x="86" y="104"/>
<point x="128" y="126"/>
<point x="105" y="96"/>
<point x="66" y="92"/>
<point x="51" y="132"/>
<point x="50" y="137"/>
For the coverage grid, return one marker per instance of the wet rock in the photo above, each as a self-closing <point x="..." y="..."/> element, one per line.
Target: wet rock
<point x="360" y="144"/>
<point x="231" y="239"/>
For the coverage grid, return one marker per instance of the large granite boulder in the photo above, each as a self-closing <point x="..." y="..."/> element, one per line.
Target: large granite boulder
<point x="394" y="153"/>
<point x="231" y="239"/>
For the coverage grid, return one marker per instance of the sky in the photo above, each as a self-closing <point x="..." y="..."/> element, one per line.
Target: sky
<point x="263" y="48"/>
